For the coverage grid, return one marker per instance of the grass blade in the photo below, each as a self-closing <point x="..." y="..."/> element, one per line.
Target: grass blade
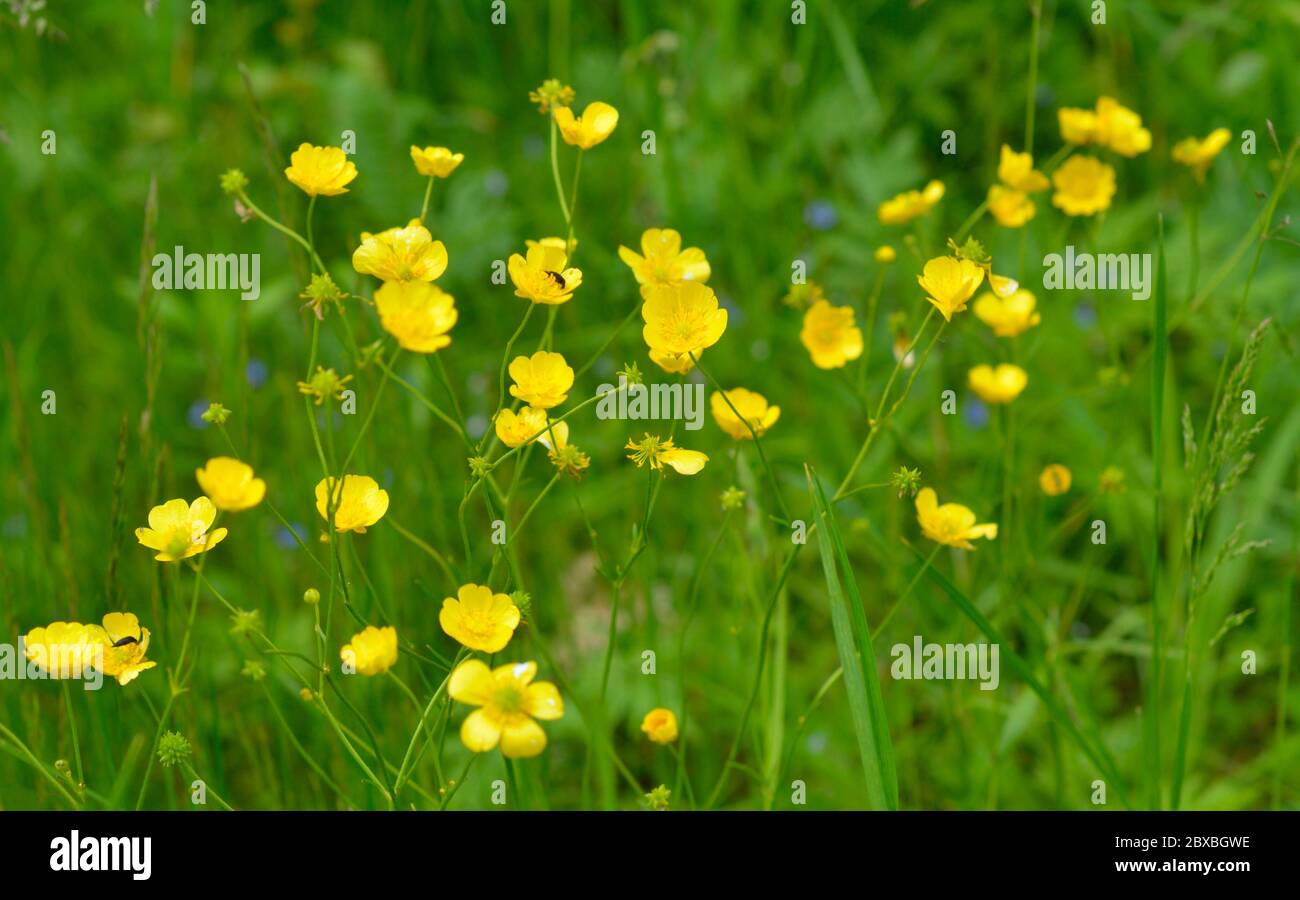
<point x="1151" y="718"/>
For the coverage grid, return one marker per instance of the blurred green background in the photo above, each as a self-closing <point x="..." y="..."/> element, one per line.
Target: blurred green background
<point x="775" y="142"/>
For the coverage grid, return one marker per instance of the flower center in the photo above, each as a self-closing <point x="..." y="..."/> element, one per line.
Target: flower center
<point x="508" y="698"/>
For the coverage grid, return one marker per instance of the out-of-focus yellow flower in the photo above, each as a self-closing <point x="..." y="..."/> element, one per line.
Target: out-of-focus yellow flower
<point x="885" y="254"/>
<point x="401" y="254"/>
<point x="1054" y="480"/>
<point x="949" y="283"/>
<point x="372" y="651"/>
<point x="125" y="645"/>
<point x="1011" y="208"/>
<point x="508" y="702"/>
<point x="830" y="336"/>
<point x="952" y="524"/>
<point x="359" y="502"/>
<point x="1000" y="385"/>
<point x="752" y="407"/>
<point x="179" y="530"/>
<point x="64" y="649"/>
<point x="1016" y="171"/>
<point x="541" y="276"/>
<point x="1120" y="129"/>
<point x="1003" y="286"/>
<point x="1198" y="154"/>
<point x="802" y="296"/>
<point x="1084" y="186"/>
<point x="660" y="452"/>
<point x="681" y="318"/>
<point x="674" y="363"/>
<point x="596" y="123"/>
<point x="230" y="484"/>
<point x="1111" y="480"/>
<point x="1078" y="126"/>
<point x="905" y="207"/>
<point x="1008" y="317"/>
<point x="515" y="428"/>
<point x="435" y="162"/>
<point x="417" y="313"/>
<point x="542" y="380"/>
<point x="660" y="725"/>
<point x="478" y="618"/>
<point x="557" y="242"/>
<point x="665" y="262"/>
<point x="320" y="171"/>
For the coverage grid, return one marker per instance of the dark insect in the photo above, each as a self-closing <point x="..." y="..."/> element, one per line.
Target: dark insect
<point x="558" y="278"/>
<point x="122" y="642"/>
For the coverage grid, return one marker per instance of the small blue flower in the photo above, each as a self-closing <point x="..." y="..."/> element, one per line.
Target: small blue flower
<point x="821" y="215"/>
<point x="975" y="413"/>
<point x="256" y="372"/>
<point x="195" y="414"/>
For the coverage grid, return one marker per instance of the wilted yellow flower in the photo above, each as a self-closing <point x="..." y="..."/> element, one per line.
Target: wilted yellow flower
<point x="514" y="429"/>
<point x="230" y="484"/>
<point x="665" y="262"/>
<point x="320" y="171"/>
<point x="1084" y="186"/>
<point x="1016" y="171"/>
<point x="660" y="725"/>
<point x="65" y="649"/>
<point x="1198" y="154"/>
<point x="1000" y="385"/>
<point x="179" y="530"/>
<point x="401" y="254"/>
<point x="1010" y="316"/>
<point x="541" y="276"/>
<point x="435" y="162"/>
<point x="830" y="336"/>
<point x="751" y="405"/>
<point x="359" y="502"/>
<point x="417" y="313"/>
<point x="681" y="318"/>
<point x="596" y="123"/>
<point x="508" y="702"/>
<point x="952" y="524"/>
<point x="1011" y="208"/>
<point x="674" y="363"/>
<point x="1054" y="480"/>
<point x="885" y="254"/>
<point x="660" y="452"/>
<point x="542" y="380"/>
<point x="908" y="205"/>
<point x="949" y="283"/>
<point x="478" y="618"/>
<point x="372" y="651"/>
<point x="1120" y="129"/>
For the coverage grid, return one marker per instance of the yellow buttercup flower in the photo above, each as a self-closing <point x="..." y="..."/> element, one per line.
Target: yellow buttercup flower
<point x="479" y="619"/>
<point x="830" y="336"/>
<point x="660" y="452"/>
<point x="1002" y="286"/>
<point x="435" y="162"/>
<point x="359" y="502"/>
<point x="674" y="363"/>
<point x="1010" y="316"/>
<point x="1000" y="385"/>
<point x="542" y="380"/>
<point x="660" y="725"/>
<point x="320" y="171"/>
<point x="401" y="254"/>
<point x="751" y="405"/>
<point x="1078" y="126"/>
<point x="230" y="484"/>
<point x="1016" y="171"/>
<point x="514" y="429"/>
<point x="949" y="283"/>
<point x="558" y="242"/>
<point x="1198" y="154"/>
<point x="596" y="123"/>
<point x="372" y="651"/>
<point x="1054" y="480"/>
<point x="665" y="262"/>
<point x="681" y="318"/>
<point x="1084" y="186"/>
<point x="125" y="645"/>
<point x="417" y="313"/>
<point x="566" y="457"/>
<point x="1011" y="208"/>
<point x="952" y="524"/>
<point x="1120" y="129"/>
<point x="64" y="649"/>
<point x="541" y="276"/>
<point x="179" y="530"/>
<point x="905" y="207"/>
<point x="508" y="702"/>
<point x="885" y="254"/>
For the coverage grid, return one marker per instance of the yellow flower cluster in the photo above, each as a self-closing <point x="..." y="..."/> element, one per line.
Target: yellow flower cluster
<point x="1009" y="200"/>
